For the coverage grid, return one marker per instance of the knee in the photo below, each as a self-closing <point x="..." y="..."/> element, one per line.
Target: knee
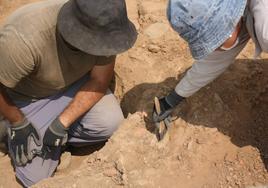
<point x="104" y="125"/>
<point x="110" y="121"/>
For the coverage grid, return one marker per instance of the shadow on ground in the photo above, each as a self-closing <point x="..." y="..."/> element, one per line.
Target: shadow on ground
<point x="236" y="104"/>
<point x="85" y="150"/>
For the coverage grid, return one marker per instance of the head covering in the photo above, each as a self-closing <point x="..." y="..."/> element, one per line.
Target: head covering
<point x="205" y="24"/>
<point x="97" y="27"/>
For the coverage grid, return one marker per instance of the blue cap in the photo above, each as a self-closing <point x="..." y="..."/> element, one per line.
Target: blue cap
<point x="205" y="24"/>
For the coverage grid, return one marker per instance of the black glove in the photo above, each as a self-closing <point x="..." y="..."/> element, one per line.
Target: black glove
<point x="56" y="135"/>
<point x="20" y="136"/>
<point x="167" y="104"/>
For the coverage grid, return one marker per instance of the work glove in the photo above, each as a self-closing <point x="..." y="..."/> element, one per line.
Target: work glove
<point x="167" y="104"/>
<point x="55" y="136"/>
<point x="20" y="136"/>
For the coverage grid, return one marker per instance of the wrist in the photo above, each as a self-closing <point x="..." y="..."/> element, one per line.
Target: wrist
<point x="16" y="119"/>
<point x="173" y="99"/>
<point x="58" y="126"/>
<point x="20" y="123"/>
<point x="64" y="121"/>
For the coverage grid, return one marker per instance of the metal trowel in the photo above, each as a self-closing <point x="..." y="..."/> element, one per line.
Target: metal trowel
<point x="161" y="127"/>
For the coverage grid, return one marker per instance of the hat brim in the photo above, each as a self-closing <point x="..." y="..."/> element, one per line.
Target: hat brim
<point x="100" y="43"/>
<point x="218" y="33"/>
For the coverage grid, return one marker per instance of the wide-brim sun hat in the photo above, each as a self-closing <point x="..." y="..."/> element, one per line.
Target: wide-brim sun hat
<point x="97" y="27"/>
<point x="205" y="24"/>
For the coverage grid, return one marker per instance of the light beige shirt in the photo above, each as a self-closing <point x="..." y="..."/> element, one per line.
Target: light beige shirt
<point x="34" y="61"/>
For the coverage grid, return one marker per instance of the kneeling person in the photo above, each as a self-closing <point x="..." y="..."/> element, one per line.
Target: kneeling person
<point x="57" y="61"/>
<point x="216" y="32"/>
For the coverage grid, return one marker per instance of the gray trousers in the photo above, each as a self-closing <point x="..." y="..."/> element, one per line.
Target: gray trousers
<point x="97" y="125"/>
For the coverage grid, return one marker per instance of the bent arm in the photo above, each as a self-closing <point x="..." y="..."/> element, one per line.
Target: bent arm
<point x="206" y="70"/>
<point x="259" y="10"/>
<point x="89" y="94"/>
<point x="8" y="109"/>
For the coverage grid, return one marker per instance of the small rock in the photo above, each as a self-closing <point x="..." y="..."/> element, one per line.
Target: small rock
<point x="228" y="178"/>
<point x="231" y="169"/>
<point x="257" y="184"/>
<point x="154" y="48"/>
<point x="190" y="145"/>
<point x="101" y="158"/>
<point x="156" y="30"/>
<point x="179" y="157"/>
<point x="200" y="141"/>
<point x="90" y="160"/>
<point x="120" y="167"/>
<point x="230" y="157"/>
<point x="218" y="99"/>
<point x="238" y="183"/>
<point x="124" y="179"/>
<point x="110" y="172"/>
<point x="213" y="130"/>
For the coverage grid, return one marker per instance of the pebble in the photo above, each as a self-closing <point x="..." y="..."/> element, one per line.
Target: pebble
<point x="154" y="48"/>
<point x="190" y="145"/>
<point x="231" y="169"/>
<point x="228" y="178"/>
<point x="120" y="166"/>
<point x="218" y="99"/>
<point x="200" y="141"/>
<point x="179" y="157"/>
<point x="156" y="30"/>
<point x="110" y="172"/>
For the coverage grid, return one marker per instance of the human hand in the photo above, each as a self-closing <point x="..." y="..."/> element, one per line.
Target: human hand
<point x="20" y="135"/>
<point x="167" y="104"/>
<point x="56" y="135"/>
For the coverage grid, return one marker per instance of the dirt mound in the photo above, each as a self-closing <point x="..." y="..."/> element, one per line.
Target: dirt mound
<point x="219" y="140"/>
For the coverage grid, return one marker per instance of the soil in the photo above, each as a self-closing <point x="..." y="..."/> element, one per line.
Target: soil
<point x="219" y="140"/>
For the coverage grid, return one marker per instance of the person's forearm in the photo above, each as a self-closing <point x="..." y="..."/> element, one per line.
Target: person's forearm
<point x="8" y="109"/>
<point x="198" y="77"/>
<point x="206" y="70"/>
<point x="85" y="99"/>
<point x="260" y="14"/>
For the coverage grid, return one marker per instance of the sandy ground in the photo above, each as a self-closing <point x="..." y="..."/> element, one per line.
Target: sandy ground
<point x="219" y="139"/>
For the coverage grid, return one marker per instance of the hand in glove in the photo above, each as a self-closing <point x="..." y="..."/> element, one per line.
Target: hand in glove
<point x="167" y="104"/>
<point x="20" y="135"/>
<point x="56" y="135"/>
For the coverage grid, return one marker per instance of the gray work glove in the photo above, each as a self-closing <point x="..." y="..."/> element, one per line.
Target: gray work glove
<point x="20" y="135"/>
<point x="56" y="135"/>
<point x="167" y="104"/>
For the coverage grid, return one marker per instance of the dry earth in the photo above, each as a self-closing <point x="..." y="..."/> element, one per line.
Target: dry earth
<point x="220" y="139"/>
